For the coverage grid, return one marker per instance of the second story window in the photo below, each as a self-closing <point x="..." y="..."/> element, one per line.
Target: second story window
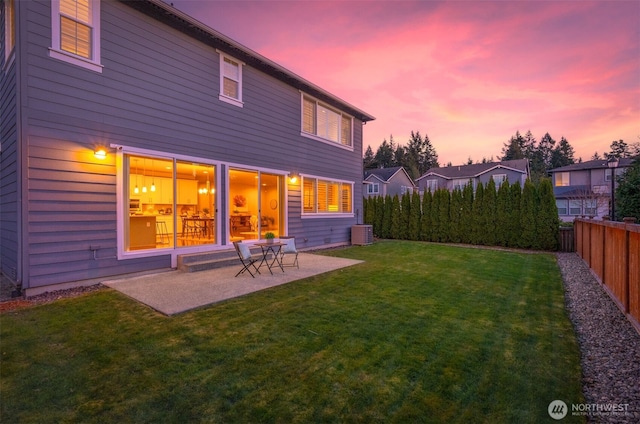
<point x="75" y="37"/>
<point x="562" y="179"/>
<point x="230" y="80"/>
<point x="326" y="123"/>
<point x="373" y="188"/>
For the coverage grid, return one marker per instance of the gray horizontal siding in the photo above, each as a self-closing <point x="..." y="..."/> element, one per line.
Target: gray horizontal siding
<point x="158" y="90"/>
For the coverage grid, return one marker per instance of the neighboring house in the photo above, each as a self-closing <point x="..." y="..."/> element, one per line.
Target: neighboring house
<point x="387" y="181"/>
<point x="452" y="177"/>
<point x="198" y="141"/>
<point x="584" y="189"/>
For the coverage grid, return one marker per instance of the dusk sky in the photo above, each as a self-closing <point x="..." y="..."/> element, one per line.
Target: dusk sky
<point x="469" y="74"/>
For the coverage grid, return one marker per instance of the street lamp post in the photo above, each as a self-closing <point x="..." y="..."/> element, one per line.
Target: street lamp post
<point x="612" y="163"/>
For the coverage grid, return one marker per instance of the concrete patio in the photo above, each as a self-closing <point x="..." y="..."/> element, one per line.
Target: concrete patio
<point x="175" y="292"/>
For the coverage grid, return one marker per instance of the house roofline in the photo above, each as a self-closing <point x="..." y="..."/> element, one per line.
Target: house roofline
<point x="173" y="17"/>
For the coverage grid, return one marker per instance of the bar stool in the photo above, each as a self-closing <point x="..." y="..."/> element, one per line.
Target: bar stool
<point x="161" y="231"/>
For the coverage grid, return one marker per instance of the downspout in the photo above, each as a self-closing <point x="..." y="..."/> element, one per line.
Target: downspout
<point x="21" y="152"/>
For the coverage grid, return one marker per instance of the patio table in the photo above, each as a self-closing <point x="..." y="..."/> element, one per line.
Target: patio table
<point x="271" y="247"/>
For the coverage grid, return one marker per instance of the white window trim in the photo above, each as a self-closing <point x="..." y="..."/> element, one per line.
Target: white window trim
<point x="221" y="96"/>
<point x="373" y="188"/>
<point x="57" y="53"/>
<point x="319" y="138"/>
<point x="314" y="215"/>
<point x="431" y="185"/>
<point x="560" y="181"/>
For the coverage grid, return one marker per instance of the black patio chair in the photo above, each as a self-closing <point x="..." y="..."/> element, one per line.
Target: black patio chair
<point x="246" y="258"/>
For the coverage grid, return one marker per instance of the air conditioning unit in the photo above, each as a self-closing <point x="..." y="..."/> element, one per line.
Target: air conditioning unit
<point x="361" y="234"/>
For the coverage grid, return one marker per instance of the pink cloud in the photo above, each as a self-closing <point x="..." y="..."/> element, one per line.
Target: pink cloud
<point x="468" y="74"/>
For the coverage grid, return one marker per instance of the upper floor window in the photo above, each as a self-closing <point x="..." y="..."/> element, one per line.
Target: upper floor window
<point x="432" y="185"/>
<point x="326" y="197"/>
<point x="562" y="179"/>
<point x="373" y="188"/>
<point x="499" y="179"/>
<point x="322" y="121"/>
<point x="230" y="80"/>
<point x="75" y="37"/>
<point x="9" y="27"/>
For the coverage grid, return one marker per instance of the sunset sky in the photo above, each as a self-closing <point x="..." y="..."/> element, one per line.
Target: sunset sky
<point x="469" y="74"/>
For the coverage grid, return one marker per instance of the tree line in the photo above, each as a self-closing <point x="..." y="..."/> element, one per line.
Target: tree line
<point x="419" y="155"/>
<point x="511" y="216"/>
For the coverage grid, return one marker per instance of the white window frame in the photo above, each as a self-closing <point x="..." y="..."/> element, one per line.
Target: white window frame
<point x="461" y="183"/>
<point x="223" y="97"/>
<point x="562" y="210"/>
<point x="432" y="185"/>
<point x="591" y="207"/>
<point x="373" y="188"/>
<point x="326" y="214"/>
<point x="563" y="179"/>
<point x="575" y="207"/>
<point x="499" y="179"/>
<point x="56" y="52"/>
<point x="317" y="133"/>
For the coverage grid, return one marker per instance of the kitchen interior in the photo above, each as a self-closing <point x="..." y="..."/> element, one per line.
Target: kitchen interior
<point x="157" y="217"/>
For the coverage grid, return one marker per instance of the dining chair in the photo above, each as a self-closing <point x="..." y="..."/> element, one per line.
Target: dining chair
<point x="246" y="258"/>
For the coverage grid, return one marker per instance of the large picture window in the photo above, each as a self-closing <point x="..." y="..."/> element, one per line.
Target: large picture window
<point x="321" y="196"/>
<point x="325" y="122"/>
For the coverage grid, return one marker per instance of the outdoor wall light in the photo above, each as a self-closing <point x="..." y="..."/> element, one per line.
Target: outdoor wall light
<point x="100" y="153"/>
<point x="293" y="179"/>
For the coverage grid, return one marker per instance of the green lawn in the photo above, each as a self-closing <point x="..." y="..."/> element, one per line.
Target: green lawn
<point x="418" y="333"/>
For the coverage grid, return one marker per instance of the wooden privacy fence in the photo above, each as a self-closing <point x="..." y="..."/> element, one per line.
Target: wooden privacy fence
<point x="612" y="251"/>
<point x="566" y="239"/>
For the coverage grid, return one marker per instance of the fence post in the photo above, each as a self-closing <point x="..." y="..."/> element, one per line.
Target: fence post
<point x="627" y="272"/>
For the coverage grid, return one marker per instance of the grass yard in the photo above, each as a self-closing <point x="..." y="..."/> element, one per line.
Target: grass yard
<point x="418" y="333"/>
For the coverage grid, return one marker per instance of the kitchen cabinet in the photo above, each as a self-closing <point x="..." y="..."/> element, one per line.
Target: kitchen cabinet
<point x="142" y="232"/>
<point x="187" y="192"/>
<point x="163" y="194"/>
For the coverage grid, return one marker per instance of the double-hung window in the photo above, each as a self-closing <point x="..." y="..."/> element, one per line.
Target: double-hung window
<point x="321" y="196"/>
<point x="563" y="206"/>
<point x="320" y="120"/>
<point x="432" y="185"/>
<point x="75" y="37"/>
<point x="230" y="80"/>
<point x="499" y="179"/>
<point x="461" y="183"/>
<point x="562" y="179"/>
<point x="10" y="28"/>
<point x="373" y="188"/>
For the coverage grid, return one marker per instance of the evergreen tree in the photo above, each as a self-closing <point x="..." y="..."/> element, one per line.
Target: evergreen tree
<point x="628" y="192"/>
<point x="443" y="216"/>
<point x="396" y="218"/>
<point x="384" y="154"/>
<point x="514" y="148"/>
<point x="477" y="230"/>
<point x="489" y="213"/>
<point x="466" y="215"/>
<point x="385" y="231"/>
<point x="435" y="216"/>
<point x="425" y="222"/>
<point x="562" y="155"/>
<point x="379" y="217"/>
<point x="405" y="209"/>
<point x="369" y="160"/>
<point x="619" y="149"/>
<point x="416" y="216"/>
<point x="548" y="223"/>
<point x="368" y="207"/>
<point x="455" y="216"/>
<point x="540" y="161"/>
<point x="514" y="229"/>
<point x="528" y="237"/>
<point x="503" y="214"/>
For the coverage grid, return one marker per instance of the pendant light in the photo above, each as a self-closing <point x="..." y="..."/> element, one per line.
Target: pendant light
<point x="153" y="178"/>
<point x="136" y="190"/>
<point x="144" y="174"/>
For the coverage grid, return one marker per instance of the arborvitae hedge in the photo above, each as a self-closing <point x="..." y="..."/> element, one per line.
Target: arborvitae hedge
<point x="511" y="216"/>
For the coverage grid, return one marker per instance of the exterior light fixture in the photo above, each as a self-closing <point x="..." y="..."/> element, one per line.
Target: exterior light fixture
<point x="100" y="153"/>
<point x="293" y="179"/>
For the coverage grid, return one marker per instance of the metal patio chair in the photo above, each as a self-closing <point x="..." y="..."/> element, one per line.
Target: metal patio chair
<point x="289" y="250"/>
<point x="247" y="259"/>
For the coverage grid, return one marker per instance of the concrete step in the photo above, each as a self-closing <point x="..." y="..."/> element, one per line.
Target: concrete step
<point x="194" y="262"/>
